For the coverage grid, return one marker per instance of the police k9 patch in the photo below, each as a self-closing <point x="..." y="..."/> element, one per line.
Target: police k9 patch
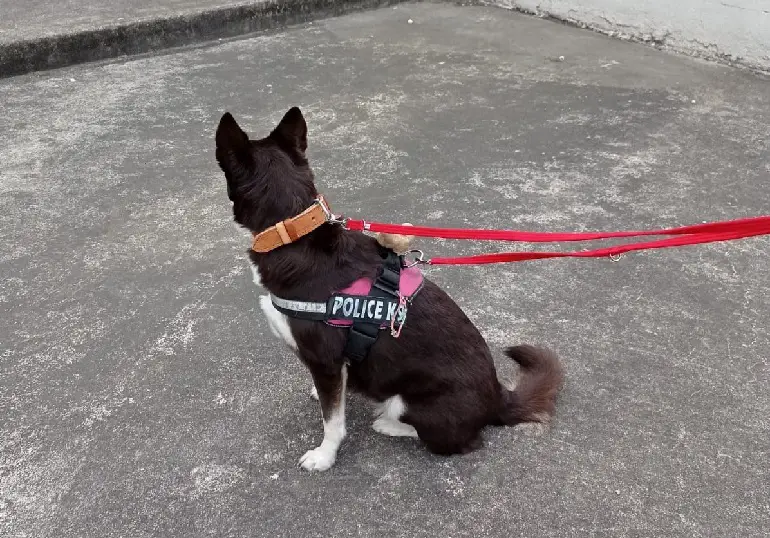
<point x="377" y="310"/>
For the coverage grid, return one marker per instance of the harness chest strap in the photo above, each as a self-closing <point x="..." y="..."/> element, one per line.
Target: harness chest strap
<point x="342" y="309"/>
<point x="363" y="334"/>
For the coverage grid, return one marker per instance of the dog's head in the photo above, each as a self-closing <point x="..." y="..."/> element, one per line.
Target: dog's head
<point x="268" y="180"/>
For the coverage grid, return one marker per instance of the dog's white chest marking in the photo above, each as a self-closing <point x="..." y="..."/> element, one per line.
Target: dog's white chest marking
<point x="255" y="276"/>
<point x="278" y="323"/>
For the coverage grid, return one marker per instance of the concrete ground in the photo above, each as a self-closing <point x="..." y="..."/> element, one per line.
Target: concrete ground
<point x="141" y="393"/>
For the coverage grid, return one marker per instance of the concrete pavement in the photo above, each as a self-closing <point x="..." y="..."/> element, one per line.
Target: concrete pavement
<point x="142" y="395"/>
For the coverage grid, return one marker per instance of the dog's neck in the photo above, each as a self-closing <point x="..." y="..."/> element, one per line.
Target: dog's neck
<point x="313" y="267"/>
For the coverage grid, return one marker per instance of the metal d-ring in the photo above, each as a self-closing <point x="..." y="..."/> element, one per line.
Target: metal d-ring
<point x="615" y="257"/>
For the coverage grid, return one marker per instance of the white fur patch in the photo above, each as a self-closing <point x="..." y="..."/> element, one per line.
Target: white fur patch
<point x="323" y="457"/>
<point x="255" y="276"/>
<point x="388" y="414"/>
<point x="279" y="324"/>
<point x="393" y="428"/>
<point x="392" y="408"/>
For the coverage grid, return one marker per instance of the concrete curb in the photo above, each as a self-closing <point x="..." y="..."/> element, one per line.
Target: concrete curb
<point x="139" y="37"/>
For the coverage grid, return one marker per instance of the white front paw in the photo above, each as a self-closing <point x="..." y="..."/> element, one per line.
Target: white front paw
<point x="314" y="393"/>
<point x="318" y="459"/>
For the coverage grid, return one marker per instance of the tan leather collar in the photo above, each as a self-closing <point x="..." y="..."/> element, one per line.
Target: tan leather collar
<point x="289" y="230"/>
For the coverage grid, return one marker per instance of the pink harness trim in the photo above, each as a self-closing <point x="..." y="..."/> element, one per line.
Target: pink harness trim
<point x="409" y="284"/>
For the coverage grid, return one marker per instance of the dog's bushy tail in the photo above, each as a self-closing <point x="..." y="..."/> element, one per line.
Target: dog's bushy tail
<point x="534" y="397"/>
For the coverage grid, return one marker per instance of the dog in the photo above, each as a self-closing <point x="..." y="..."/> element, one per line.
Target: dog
<point x="436" y="382"/>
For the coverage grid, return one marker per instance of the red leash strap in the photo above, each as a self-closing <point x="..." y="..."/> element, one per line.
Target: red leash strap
<point x="597" y="253"/>
<point x="686" y="235"/>
<point x="739" y="225"/>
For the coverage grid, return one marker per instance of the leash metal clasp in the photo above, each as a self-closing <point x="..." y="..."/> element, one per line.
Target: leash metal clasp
<point x="418" y="260"/>
<point x="330" y="217"/>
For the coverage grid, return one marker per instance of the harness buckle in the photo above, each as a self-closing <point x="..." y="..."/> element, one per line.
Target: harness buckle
<point x="360" y="340"/>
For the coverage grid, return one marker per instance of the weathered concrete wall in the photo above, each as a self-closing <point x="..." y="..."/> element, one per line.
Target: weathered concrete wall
<point x="732" y="30"/>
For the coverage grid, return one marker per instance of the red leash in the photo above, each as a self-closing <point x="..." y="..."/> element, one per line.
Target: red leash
<point x="685" y="235"/>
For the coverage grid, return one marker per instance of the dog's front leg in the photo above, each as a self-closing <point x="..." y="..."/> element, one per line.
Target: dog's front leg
<point x="330" y="385"/>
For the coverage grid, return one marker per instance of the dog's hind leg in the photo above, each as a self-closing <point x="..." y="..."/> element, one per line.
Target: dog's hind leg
<point x="445" y="427"/>
<point x="449" y="441"/>
<point x="331" y="393"/>
<point x="388" y="414"/>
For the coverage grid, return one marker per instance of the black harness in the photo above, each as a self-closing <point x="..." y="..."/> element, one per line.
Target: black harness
<point x="368" y="313"/>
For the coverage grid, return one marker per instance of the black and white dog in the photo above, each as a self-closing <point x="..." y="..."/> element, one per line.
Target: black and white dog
<point x="436" y="382"/>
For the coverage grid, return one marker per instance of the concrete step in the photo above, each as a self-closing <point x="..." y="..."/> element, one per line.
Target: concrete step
<point x="38" y="34"/>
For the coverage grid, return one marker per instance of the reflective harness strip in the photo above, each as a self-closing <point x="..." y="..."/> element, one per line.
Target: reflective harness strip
<point x="300" y="309"/>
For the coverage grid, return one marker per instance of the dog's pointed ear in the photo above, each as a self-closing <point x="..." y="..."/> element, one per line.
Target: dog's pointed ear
<point x="292" y="130"/>
<point x="232" y="145"/>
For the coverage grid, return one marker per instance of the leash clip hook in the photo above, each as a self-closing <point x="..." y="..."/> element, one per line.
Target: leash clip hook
<point x="418" y="260"/>
<point x="331" y="218"/>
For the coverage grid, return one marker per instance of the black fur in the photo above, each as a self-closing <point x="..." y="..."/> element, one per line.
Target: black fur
<point x="440" y="365"/>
